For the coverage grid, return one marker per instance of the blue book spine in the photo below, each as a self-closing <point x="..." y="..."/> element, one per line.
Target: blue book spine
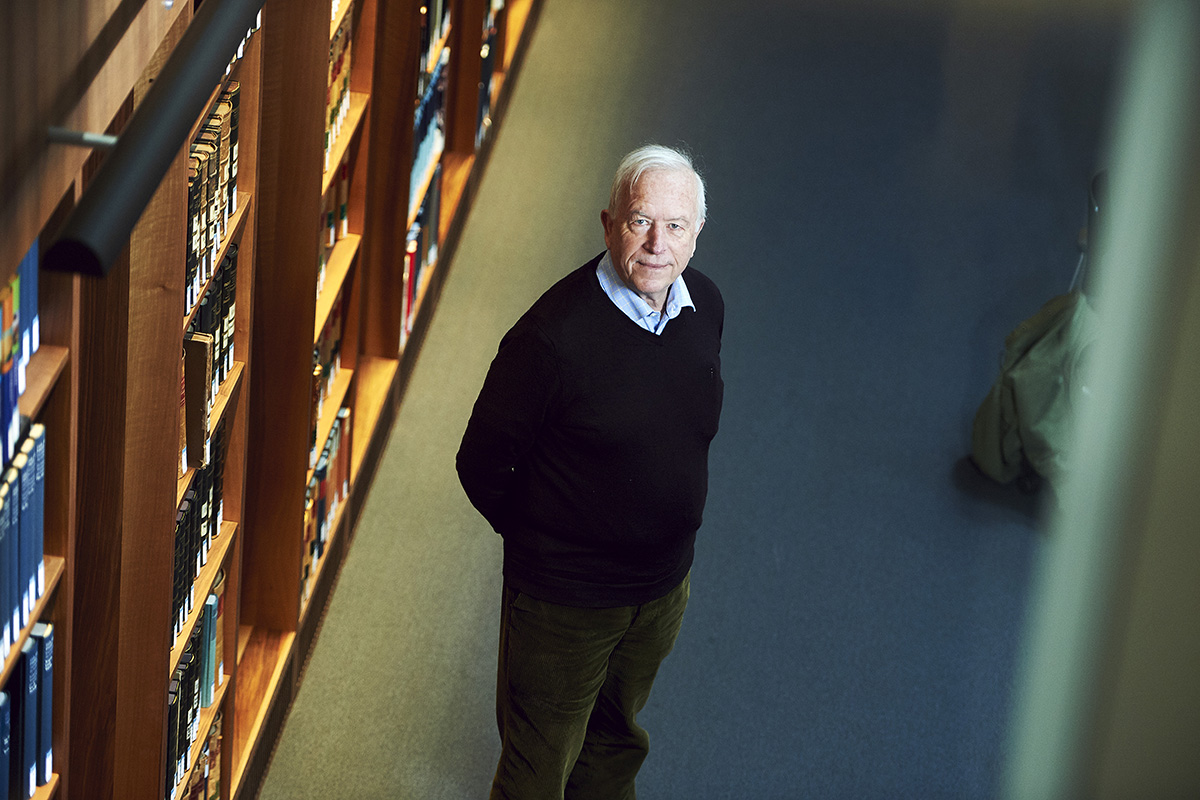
<point x="28" y="574"/>
<point x="44" y="634"/>
<point x="7" y="412"/>
<point x="31" y="668"/>
<point x="37" y="435"/>
<point x="31" y="326"/>
<point x="6" y="557"/>
<point x="207" y="619"/>
<point x="13" y="572"/>
<point x="34" y="474"/>
<point x="19" y="358"/>
<point x="5" y="744"/>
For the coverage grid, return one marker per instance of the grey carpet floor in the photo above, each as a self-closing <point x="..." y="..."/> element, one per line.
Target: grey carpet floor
<point x="891" y="191"/>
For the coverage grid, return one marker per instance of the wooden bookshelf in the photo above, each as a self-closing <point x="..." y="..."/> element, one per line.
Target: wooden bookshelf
<point x="106" y="380"/>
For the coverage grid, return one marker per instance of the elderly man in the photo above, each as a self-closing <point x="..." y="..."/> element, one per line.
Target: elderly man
<point x="587" y="450"/>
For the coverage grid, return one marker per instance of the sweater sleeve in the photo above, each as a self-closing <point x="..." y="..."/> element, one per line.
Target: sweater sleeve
<point x="505" y="422"/>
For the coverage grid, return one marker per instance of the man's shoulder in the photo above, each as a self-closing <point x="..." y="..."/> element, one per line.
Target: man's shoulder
<point x="569" y="297"/>
<point x="700" y="286"/>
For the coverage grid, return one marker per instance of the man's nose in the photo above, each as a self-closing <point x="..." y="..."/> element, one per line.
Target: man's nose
<point x="656" y="240"/>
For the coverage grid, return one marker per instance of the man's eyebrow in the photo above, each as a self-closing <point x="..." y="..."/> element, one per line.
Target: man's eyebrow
<point x="637" y="212"/>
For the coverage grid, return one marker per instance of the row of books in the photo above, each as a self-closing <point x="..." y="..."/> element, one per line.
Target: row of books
<point x="434" y="25"/>
<point x="208" y="358"/>
<point x="240" y="52"/>
<point x="421" y="251"/>
<point x="337" y="87"/>
<point x="204" y="782"/>
<point x="487" y="72"/>
<point x="22" y="514"/>
<point x="334" y="224"/>
<point x="429" y="128"/>
<point x="212" y="190"/>
<point x="327" y="490"/>
<point x="192" y="688"/>
<point x="27" y="718"/>
<point x="327" y="365"/>
<point x="20" y="338"/>
<point x="197" y="526"/>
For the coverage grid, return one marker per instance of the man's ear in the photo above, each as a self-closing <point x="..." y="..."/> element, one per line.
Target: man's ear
<point x="604" y="219"/>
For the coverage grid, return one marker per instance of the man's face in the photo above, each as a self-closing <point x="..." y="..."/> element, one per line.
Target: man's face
<point x="653" y="234"/>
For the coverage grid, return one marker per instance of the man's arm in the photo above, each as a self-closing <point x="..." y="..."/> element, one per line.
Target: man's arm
<point x="505" y="421"/>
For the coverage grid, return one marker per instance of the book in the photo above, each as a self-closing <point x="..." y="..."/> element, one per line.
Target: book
<point x="8" y="374"/>
<point x="183" y="453"/>
<point x="428" y="128"/>
<point x="30" y="321"/>
<point x="232" y="94"/>
<point x="7" y="557"/>
<point x="178" y="603"/>
<point x="223" y="114"/>
<point x="214" y="759"/>
<point x="43" y="633"/>
<point x="208" y="138"/>
<point x="29" y="671"/>
<point x="198" y="396"/>
<point x="34" y="447"/>
<point x="207" y="650"/>
<point x="218" y="660"/>
<point x="195" y="248"/>
<point x="218" y="476"/>
<point x="5" y="745"/>
<point x="199" y="157"/>
<point x="344" y="451"/>
<point x="172" y="737"/>
<point x="408" y="305"/>
<point x="28" y="539"/>
<point x="309" y="544"/>
<point x="9" y="490"/>
<point x="229" y="308"/>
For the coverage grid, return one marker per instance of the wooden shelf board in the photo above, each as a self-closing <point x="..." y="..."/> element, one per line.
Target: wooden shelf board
<point x="202" y="586"/>
<point x="426" y="277"/>
<point x="354" y="118"/>
<point x="517" y="12"/>
<point x="426" y="179"/>
<point x="261" y="661"/>
<point x="498" y="76"/>
<point x="41" y="376"/>
<point x="319" y="567"/>
<point x="438" y="47"/>
<point x="334" y="400"/>
<point x="233" y="233"/>
<point x="336" y="22"/>
<point x="48" y="789"/>
<point x="375" y="377"/>
<point x="456" y="171"/>
<point x="55" y="566"/>
<point x="220" y="404"/>
<point x="208" y="715"/>
<point x="336" y="271"/>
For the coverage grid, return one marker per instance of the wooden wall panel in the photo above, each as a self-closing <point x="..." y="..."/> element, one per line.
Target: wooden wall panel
<point x="68" y="63"/>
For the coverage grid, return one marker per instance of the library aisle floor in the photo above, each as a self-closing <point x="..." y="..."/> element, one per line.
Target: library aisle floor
<point x="891" y="189"/>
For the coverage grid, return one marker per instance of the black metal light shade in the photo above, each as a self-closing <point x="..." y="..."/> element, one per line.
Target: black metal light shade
<point x="99" y="226"/>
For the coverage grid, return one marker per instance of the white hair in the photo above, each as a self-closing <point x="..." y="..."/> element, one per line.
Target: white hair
<point x="648" y="158"/>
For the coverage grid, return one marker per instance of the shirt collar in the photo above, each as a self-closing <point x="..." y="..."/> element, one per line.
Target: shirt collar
<point x="630" y="302"/>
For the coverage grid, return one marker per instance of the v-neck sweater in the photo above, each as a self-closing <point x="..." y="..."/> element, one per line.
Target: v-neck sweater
<point x="587" y="448"/>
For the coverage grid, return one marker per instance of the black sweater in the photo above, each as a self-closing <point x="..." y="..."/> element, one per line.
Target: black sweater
<point x="587" y="449"/>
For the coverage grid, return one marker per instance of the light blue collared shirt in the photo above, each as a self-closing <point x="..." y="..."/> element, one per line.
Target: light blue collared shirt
<point x="637" y="309"/>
